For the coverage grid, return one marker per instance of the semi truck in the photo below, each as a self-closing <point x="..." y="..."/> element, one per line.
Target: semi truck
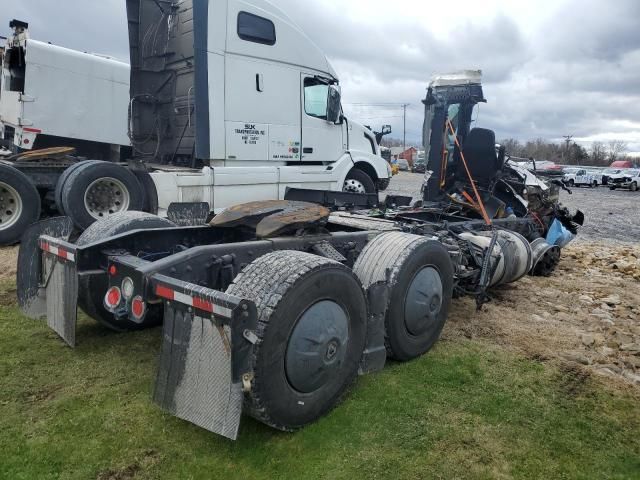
<point x="273" y="308"/>
<point x="263" y="98"/>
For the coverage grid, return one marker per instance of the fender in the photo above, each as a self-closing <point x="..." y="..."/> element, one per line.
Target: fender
<point x="355" y="157"/>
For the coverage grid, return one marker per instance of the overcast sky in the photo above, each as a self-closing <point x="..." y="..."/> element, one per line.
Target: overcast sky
<point x="551" y="68"/>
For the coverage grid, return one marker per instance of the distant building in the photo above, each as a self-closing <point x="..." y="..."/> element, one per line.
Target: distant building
<point x="410" y="154"/>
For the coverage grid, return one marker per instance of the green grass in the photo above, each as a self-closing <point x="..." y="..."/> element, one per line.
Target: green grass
<point x="466" y="410"/>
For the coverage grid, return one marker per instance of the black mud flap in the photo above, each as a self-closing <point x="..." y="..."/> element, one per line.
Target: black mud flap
<point x="189" y="214"/>
<point x="30" y="277"/>
<point x="204" y="361"/>
<point x="374" y="356"/>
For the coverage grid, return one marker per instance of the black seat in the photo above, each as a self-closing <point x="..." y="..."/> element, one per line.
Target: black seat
<point x="480" y="153"/>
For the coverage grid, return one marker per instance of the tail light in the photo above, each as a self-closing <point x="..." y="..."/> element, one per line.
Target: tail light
<point x="113" y="298"/>
<point x="127" y="288"/>
<point x="138" y="308"/>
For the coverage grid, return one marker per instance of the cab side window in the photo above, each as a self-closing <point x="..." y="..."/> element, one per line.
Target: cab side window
<point x="315" y="98"/>
<point x="253" y="28"/>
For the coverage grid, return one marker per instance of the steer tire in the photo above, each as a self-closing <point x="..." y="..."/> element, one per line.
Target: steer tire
<point x="634" y="186"/>
<point x="359" y="178"/>
<point x="57" y="195"/>
<point x="20" y="204"/>
<point x="312" y="316"/>
<point x="80" y="180"/>
<point x="420" y="275"/>
<point x="91" y="289"/>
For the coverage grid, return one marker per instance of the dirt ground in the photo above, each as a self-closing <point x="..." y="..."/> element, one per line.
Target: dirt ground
<point x="586" y="314"/>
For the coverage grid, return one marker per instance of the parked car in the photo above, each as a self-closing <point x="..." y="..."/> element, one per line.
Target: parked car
<point x="610" y="174"/>
<point x="579" y="177"/>
<point x="627" y="179"/>
<point x="420" y="166"/>
<point x="403" y="165"/>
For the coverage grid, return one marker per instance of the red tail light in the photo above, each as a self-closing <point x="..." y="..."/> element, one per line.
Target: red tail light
<point x="113" y="298"/>
<point x="138" y="307"/>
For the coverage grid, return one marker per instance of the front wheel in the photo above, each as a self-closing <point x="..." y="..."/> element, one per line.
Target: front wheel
<point x="634" y="186"/>
<point x="572" y="183"/>
<point x="359" y="182"/>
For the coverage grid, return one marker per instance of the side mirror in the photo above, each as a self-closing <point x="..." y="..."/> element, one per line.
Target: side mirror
<point x="334" y="105"/>
<point x="386" y="130"/>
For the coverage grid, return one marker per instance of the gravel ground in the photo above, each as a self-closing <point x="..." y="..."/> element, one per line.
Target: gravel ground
<point x="611" y="216"/>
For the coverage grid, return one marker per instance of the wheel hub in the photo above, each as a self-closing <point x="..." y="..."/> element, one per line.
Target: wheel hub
<point x="354" y="186"/>
<point x="105" y="197"/>
<point x="317" y="346"/>
<point x="423" y="301"/>
<point x="10" y="206"/>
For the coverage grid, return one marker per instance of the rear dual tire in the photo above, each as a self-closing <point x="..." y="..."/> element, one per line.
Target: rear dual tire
<point x="94" y="190"/>
<point x="420" y="275"/>
<point x="20" y="204"/>
<point x="312" y="317"/>
<point x="91" y="289"/>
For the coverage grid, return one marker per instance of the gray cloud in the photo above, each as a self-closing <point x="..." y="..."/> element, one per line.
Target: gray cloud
<point x="574" y="70"/>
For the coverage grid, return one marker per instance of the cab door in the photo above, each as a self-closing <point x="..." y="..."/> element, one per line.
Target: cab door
<point x="322" y="141"/>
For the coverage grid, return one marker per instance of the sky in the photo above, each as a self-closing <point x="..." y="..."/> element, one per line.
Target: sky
<point x="550" y="68"/>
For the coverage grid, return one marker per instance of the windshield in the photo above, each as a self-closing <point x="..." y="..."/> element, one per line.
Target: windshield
<point x="611" y="170"/>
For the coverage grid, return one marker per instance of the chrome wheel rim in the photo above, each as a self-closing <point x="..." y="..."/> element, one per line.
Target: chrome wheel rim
<point x="354" y="186"/>
<point x="106" y="196"/>
<point x="10" y="206"/>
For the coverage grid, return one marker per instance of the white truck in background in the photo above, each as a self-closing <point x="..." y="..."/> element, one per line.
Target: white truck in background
<point x="229" y="102"/>
<point x="52" y="96"/>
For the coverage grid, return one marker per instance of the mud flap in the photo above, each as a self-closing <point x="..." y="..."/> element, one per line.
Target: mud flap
<point x="374" y="356"/>
<point x="29" y="279"/>
<point x="62" y="297"/>
<point x="204" y="364"/>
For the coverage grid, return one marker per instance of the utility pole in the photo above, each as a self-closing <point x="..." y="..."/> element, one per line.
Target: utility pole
<point x="567" y="139"/>
<point x="404" y="132"/>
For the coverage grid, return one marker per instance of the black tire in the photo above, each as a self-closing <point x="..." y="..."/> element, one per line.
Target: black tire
<point x="19" y="202"/>
<point x="594" y="184"/>
<point x="91" y="289"/>
<point x="383" y="184"/>
<point x="357" y="180"/>
<point x="150" y="204"/>
<point x="612" y="188"/>
<point x="79" y="181"/>
<point x="287" y="287"/>
<point x="61" y="181"/>
<point x="634" y="186"/>
<point x="572" y="183"/>
<point x="415" y="268"/>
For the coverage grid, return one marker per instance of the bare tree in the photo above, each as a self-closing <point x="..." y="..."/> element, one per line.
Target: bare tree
<point x="512" y="146"/>
<point x="616" y="149"/>
<point x="598" y="153"/>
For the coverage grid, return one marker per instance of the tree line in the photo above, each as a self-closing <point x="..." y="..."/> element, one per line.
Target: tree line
<point x="598" y="154"/>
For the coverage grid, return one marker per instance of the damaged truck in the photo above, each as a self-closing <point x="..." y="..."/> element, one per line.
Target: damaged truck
<point x="273" y="308"/>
